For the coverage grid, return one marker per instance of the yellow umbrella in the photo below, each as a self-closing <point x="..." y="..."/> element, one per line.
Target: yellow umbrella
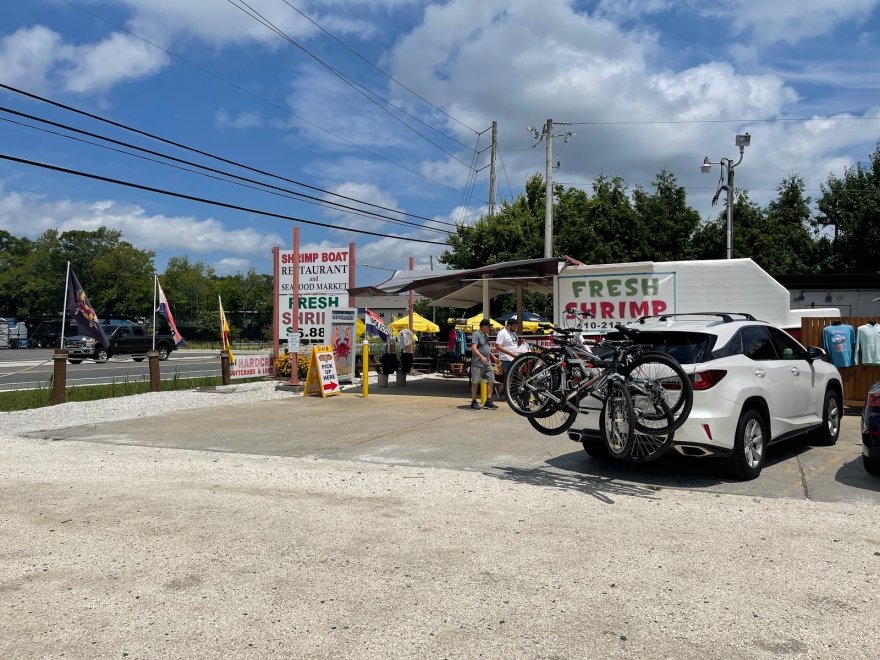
<point x="473" y="323"/>
<point x="420" y="324"/>
<point x="530" y="326"/>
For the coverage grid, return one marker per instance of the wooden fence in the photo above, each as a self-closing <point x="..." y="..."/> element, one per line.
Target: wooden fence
<point x="856" y="379"/>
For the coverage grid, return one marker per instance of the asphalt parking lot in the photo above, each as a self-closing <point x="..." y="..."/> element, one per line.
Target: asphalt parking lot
<point x="405" y="525"/>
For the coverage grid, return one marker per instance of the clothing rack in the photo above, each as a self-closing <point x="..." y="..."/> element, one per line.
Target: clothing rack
<point x="857" y="379"/>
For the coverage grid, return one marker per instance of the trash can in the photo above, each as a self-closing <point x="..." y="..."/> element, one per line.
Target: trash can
<point x="388" y="364"/>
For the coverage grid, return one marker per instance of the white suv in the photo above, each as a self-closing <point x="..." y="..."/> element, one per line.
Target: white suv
<point x="754" y="385"/>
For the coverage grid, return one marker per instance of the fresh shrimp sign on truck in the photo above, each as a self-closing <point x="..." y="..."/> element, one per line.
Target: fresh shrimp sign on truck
<point x="323" y="287"/>
<point x="623" y="293"/>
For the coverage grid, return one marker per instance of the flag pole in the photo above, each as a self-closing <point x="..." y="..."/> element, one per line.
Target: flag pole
<point x="64" y="310"/>
<point x="155" y="288"/>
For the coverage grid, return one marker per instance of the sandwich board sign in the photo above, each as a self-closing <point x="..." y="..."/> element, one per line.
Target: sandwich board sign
<point x="321" y="377"/>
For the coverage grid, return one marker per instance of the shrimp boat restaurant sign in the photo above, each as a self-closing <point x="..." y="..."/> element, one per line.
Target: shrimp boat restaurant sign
<point x="615" y="298"/>
<point x="321" y="377"/>
<point x="323" y="287"/>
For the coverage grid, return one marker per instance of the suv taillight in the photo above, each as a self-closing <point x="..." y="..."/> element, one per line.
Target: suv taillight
<point x="704" y="380"/>
<point x="873" y="400"/>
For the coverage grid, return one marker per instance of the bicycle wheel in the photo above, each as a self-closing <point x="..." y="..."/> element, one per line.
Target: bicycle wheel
<point x="661" y="391"/>
<point x="648" y="447"/>
<point x="617" y="420"/>
<point x="527" y="382"/>
<point x="553" y="420"/>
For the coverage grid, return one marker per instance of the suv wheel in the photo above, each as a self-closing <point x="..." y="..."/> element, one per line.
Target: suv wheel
<point x="749" y="446"/>
<point x="101" y="355"/>
<point x="163" y="352"/>
<point x="872" y="465"/>
<point x="827" y="434"/>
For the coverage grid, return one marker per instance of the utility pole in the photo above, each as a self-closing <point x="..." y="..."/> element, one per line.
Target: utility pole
<point x="548" y="192"/>
<point x="547" y="135"/>
<point x="492" y="169"/>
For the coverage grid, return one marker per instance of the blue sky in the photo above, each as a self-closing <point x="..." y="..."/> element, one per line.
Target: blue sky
<point x="649" y="84"/>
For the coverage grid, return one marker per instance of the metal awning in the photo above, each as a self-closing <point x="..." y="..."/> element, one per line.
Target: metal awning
<point x="464" y="288"/>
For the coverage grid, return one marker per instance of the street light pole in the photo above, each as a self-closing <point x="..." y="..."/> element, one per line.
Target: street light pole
<point x="730" y="171"/>
<point x="727" y="165"/>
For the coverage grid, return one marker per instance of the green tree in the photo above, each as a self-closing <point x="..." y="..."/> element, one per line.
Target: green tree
<point x="603" y="228"/>
<point x="851" y="204"/>
<point x="788" y="220"/>
<point x="710" y="239"/>
<point x="122" y="281"/>
<point x="514" y="232"/>
<point x="13" y="252"/>
<point x="191" y="288"/>
<point x="667" y="218"/>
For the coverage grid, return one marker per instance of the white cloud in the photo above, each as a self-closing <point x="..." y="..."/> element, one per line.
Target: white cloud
<point x="26" y="56"/>
<point x="243" y="120"/>
<point x="791" y="22"/>
<point x="30" y="215"/>
<point x="120" y="57"/>
<point x="217" y="23"/>
<point x="636" y="116"/>
<point x="231" y="266"/>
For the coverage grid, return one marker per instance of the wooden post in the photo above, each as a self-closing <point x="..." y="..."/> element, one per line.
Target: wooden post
<point x="224" y="367"/>
<point x="155" y="377"/>
<point x="276" y="290"/>
<point x="294" y="357"/>
<point x="59" y="376"/>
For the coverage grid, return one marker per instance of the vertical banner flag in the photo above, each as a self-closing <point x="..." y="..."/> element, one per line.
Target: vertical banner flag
<point x="376" y="326"/>
<point x="165" y="311"/>
<point x="80" y="309"/>
<point x="224" y="333"/>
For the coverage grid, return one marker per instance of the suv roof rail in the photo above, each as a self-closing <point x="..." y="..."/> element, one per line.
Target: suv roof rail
<point x="726" y="317"/>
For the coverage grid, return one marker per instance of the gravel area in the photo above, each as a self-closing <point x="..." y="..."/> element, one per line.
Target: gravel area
<point x="145" y="405"/>
<point x="131" y="407"/>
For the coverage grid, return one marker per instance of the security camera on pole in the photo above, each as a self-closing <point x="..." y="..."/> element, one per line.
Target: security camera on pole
<point x="742" y="141"/>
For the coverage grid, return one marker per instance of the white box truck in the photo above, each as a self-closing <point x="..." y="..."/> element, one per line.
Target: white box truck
<point x="623" y="293"/>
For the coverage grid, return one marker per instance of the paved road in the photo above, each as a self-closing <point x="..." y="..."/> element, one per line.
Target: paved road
<point x="405" y="525"/>
<point x="29" y="368"/>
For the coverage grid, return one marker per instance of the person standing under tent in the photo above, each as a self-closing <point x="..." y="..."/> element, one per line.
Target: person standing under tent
<point x="481" y="365"/>
<point x="506" y="343"/>
<point x="406" y="346"/>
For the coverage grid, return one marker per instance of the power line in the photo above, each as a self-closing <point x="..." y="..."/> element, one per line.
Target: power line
<point x="201" y="152"/>
<point x="291" y="194"/>
<point x="359" y="88"/>
<point x="504" y="169"/>
<point x="204" y="200"/>
<point x="387" y="75"/>
<point x="239" y="88"/>
<point x="717" y="121"/>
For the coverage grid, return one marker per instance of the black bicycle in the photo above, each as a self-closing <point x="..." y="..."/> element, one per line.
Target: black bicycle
<point x="646" y="395"/>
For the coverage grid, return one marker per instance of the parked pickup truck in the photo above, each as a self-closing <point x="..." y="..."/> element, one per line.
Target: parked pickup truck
<point x="129" y="339"/>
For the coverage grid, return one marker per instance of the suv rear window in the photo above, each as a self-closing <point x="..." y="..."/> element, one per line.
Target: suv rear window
<point x="686" y="347"/>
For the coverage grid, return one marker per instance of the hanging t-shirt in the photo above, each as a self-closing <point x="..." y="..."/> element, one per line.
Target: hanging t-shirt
<point x="868" y="344"/>
<point x="839" y="340"/>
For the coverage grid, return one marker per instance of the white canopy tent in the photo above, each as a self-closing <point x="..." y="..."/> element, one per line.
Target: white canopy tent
<point x="465" y="288"/>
